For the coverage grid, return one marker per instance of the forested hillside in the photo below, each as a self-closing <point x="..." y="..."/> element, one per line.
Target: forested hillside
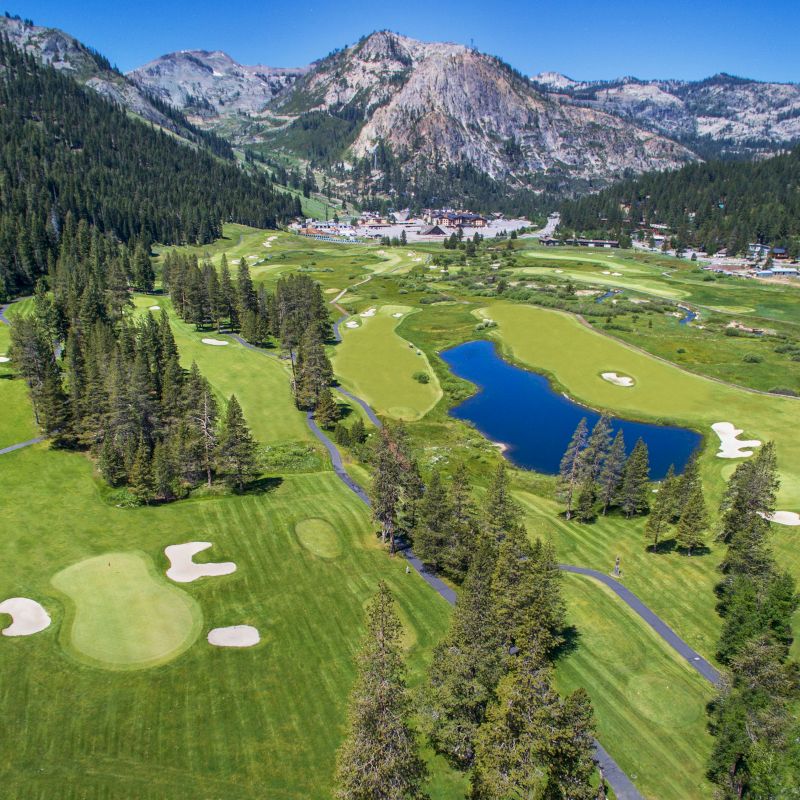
<point x="66" y="151"/>
<point x="712" y="205"/>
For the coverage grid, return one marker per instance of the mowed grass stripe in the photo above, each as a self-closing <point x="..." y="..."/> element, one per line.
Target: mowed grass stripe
<point x="213" y="722"/>
<point x="650" y="706"/>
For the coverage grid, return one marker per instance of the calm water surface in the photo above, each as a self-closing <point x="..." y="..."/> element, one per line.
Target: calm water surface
<point x="520" y="409"/>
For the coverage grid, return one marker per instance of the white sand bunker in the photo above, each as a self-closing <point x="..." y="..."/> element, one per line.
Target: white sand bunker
<point x="398" y="315"/>
<point x="617" y="274"/>
<point x="234" y="636"/>
<point x="154" y="308"/>
<point x="606" y="272"/>
<point x="370" y="312"/>
<point x="730" y="446"/>
<point x="215" y="342"/>
<point x="784" y="518"/>
<point x="352" y="324"/>
<point x="184" y="570"/>
<point x="617" y="380"/>
<point x="4" y="359"/>
<point x="27" y="616"/>
<point x="558" y="270"/>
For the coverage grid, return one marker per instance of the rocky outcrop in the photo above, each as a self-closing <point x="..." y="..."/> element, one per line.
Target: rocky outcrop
<point x="446" y="103"/>
<point x="66" y="54"/>
<point x="722" y="108"/>
<point x="211" y="84"/>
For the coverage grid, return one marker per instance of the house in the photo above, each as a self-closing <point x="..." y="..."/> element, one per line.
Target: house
<point x="435" y="230"/>
<point x="757" y="251"/>
<point x="787" y="272"/>
<point x="593" y="242"/>
<point x="780" y="253"/>
<point x="548" y="241"/>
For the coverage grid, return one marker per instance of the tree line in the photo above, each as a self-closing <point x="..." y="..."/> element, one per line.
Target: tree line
<point x="104" y="382"/>
<point x="294" y="316"/>
<point x="64" y="150"/>
<point x="753" y="718"/>
<point x="488" y="703"/>
<point x="709" y="205"/>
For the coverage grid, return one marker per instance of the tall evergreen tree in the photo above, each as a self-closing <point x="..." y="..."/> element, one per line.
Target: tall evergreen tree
<point x="693" y="521"/>
<point x="466" y="665"/>
<point x="634" y="491"/>
<point x="612" y="472"/>
<point x="570" y="471"/>
<point x="236" y="451"/>
<point x="379" y="758"/>
<point x="658" y="521"/>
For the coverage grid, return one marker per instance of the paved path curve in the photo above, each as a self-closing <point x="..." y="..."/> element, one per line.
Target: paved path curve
<point x="708" y="671"/>
<point x="614" y="775"/>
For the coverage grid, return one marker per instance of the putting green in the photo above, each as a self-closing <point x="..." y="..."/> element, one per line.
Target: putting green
<point x="318" y="537"/>
<point x="575" y="354"/>
<point x="375" y="363"/>
<point x="125" y="615"/>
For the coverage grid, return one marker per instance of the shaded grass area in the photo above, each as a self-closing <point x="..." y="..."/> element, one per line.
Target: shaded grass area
<point x="649" y="705"/>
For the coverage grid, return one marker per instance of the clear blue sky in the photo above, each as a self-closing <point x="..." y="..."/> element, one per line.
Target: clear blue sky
<point x="582" y="38"/>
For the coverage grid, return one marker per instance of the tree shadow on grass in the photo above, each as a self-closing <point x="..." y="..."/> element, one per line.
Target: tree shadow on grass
<point x="261" y="486"/>
<point x="571" y="636"/>
<point x="663" y="547"/>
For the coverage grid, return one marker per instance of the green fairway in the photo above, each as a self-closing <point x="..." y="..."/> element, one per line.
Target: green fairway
<point x="375" y="363"/>
<point x="260" y="383"/>
<point x="123" y="615"/>
<point x="212" y="722"/>
<point x="650" y="704"/>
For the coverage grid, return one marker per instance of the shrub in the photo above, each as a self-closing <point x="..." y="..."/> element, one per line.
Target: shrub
<point x="752" y="358"/>
<point x="680" y="350"/>
<point x="783" y="390"/>
<point x="421" y="377"/>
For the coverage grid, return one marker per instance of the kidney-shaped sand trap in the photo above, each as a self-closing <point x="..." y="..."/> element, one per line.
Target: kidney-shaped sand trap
<point x="791" y="518"/>
<point x="617" y="380"/>
<point x="370" y="312"/>
<point x="351" y="324"/>
<point x="730" y="446"/>
<point x="215" y="342"/>
<point x="27" y="616"/>
<point x="4" y="359"/>
<point x="234" y="636"/>
<point x="183" y="569"/>
<point x="125" y="615"/>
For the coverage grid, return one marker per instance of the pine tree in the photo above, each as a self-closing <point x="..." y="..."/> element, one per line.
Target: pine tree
<point x="612" y="472"/>
<point x="392" y="461"/>
<point x="465" y="666"/>
<point x="660" y="515"/>
<point x="378" y="758"/>
<point x="236" y="451"/>
<point x="202" y="414"/>
<point x="163" y="472"/>
<point x="533" y="744"/>
<point x="326" y="411"/>
<point x="689" y="533"/>
<point x="501" y="513"/>
<point x="571" y="466"/>
<point x="634" y="497"/>
<point x="227" y="295"/>
<point x="527" y="594"/>
<point x="463" y="527"/>
<point x="434" y="517"/>
<point x="140" y="478"/>
<point x="246" y="294"/>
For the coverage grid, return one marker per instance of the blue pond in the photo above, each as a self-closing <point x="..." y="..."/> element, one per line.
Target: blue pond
<point x="520" y="409"/>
